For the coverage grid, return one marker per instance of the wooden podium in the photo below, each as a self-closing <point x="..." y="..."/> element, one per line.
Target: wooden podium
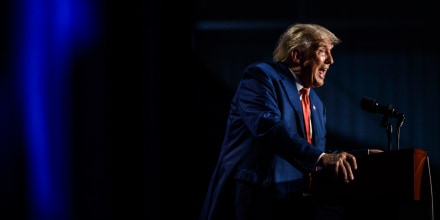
<point x="399" y="177"/>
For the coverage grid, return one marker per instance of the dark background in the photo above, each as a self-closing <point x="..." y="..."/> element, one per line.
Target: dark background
<point x="135" y="128"/>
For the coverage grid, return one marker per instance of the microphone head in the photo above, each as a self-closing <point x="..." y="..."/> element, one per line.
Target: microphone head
<point x="369" y="104"/>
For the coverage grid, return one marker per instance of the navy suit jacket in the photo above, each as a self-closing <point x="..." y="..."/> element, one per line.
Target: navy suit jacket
<point x="264" y="141"/>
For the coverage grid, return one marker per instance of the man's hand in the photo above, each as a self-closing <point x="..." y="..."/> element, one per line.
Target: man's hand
<point x="342" y="163"/>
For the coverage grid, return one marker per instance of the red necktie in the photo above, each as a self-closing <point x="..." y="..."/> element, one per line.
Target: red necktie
<point x="305" y="101"/>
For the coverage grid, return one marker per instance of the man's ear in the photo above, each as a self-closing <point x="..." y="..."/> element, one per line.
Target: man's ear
<point x="295" y="56"/>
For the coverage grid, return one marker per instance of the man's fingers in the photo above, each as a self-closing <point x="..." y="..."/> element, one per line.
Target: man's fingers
<point x="350" y="164"/>
<point x="353" y="162"/>
<point x="343" y="168"/>
<point x="349" y="171"/>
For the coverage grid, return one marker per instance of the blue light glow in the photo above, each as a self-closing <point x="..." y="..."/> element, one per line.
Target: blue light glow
<point x="47" y="36"/>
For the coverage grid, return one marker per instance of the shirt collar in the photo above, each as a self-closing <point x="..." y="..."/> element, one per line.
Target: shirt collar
<point x="298" y="82"/>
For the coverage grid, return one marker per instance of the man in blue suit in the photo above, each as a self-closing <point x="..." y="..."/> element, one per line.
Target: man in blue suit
<point x="265" y="162"/>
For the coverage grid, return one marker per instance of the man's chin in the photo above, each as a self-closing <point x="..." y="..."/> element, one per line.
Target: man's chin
<point x="318" y="84"/>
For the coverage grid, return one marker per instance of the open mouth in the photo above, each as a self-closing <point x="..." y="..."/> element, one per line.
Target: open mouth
<point x="322" y="72"/>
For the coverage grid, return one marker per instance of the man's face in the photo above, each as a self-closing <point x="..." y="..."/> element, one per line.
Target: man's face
<point x="316" y="64"/>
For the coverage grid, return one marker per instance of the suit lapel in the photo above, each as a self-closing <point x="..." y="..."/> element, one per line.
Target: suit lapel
<point x="287" y="81"/>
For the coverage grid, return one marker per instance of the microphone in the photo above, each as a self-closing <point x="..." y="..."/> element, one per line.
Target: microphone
<point x="373" y="106"/>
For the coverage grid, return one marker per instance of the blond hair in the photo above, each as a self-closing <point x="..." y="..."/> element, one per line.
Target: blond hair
<point x="301" y="37"/>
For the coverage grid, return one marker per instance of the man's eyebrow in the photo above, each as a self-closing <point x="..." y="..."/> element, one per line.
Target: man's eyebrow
<point x="322" y="44"/>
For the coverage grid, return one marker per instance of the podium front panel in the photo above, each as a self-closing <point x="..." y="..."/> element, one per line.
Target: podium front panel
<point x="401" y="175"/>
